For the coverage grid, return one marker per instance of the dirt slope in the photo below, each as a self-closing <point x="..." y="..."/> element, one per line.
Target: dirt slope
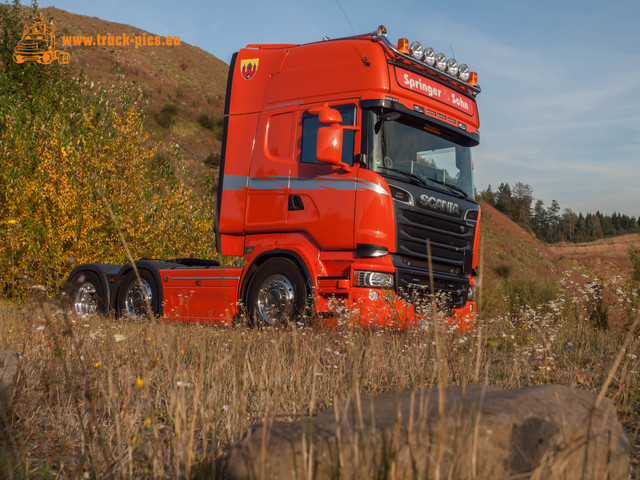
<point x="187" y="77"/>
<point x="507" y="245"/>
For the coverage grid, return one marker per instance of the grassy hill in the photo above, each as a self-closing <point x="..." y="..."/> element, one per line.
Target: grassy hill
<point x="181" y="84"/>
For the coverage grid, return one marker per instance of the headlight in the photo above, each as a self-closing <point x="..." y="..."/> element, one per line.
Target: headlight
<point x="416" y="50"/>
<point x="452" y="67"/>
<point x="441" y="62"/>
<point x="373" y="279"/>
<point x="463" y="72"/>
<point x="429" y="56"/>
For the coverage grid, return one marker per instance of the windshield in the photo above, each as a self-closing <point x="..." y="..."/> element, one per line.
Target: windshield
<point x="411" y="153"/>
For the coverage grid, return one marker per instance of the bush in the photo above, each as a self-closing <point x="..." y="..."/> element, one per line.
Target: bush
<point x="503" y="270"/>
<point x="206" y="121"/>
<point x="166" y="116"/>
<point x="212" y="160"/>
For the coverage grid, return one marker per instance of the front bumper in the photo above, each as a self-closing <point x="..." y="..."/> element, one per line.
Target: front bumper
<point x="382" y="308"/>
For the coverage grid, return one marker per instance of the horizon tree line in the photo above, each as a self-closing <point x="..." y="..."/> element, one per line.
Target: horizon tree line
<point x="551" y="225"/>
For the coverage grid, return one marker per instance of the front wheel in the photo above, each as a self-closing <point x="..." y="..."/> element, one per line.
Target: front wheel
<point x="138" y="297"/>
<point x="277" y="293"/>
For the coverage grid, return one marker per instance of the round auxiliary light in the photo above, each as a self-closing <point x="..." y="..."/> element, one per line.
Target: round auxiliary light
<point x="416" y="50"/>
<point x="441" y="62"/>
<point x="429" y="56"/>
<point x="452" y="67"/>
<point x="463" y="72"/>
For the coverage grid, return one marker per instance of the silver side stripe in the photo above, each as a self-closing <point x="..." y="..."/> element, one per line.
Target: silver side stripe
<point x="204" y="278"/>
<point x="273" y="182"/>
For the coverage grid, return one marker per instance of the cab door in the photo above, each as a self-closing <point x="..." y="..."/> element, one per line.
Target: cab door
<point x="268" y="183"/>
<point x="321" y="197"/>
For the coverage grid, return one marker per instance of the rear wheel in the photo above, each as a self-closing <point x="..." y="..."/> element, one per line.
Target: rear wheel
<point x="138" y="298"/>
<point x="84" y="293"/>
<point x="277" y="293"/>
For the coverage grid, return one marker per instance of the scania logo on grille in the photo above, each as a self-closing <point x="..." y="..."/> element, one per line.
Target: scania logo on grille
<point x="439" y="204"/>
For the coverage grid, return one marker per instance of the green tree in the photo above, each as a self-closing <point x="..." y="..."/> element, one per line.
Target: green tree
<point x="522" y="198"/>
<point x="553" y="220"/>
<point x="504" y="202"/>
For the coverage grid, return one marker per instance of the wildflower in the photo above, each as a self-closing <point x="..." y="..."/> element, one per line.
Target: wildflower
<point x="147" y="421"/>
<point x="97" y="364"/>
<point x="139" y="382"/>
<point x="40" y="328"/>
<point x="119" y="338"/>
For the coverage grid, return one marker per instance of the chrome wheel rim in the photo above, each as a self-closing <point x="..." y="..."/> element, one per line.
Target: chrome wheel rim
<point x="137" y="299"/>
<point x="275" y="299"/>
<point x="86" y="300"/>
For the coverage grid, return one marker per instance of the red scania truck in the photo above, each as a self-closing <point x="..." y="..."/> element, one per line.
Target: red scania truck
<point x="346" y="183"/>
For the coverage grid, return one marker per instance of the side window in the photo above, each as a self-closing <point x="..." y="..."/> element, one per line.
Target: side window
<point x="310" y="126"/>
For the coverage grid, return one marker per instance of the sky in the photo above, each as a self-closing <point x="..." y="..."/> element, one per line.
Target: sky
<point x="560" y="103"/>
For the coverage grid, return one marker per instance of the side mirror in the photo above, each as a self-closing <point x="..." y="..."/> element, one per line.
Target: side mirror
<point x="329" y="141"/>
<point x="327" y="115"/>
<point x="329" y="145"/>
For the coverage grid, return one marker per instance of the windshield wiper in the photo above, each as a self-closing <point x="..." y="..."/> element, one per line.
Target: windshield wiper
<point x="420" y="181"/>
<point x="456" y="188"/>
<point x="412" y="176"/>
<point x="460" y="193"/>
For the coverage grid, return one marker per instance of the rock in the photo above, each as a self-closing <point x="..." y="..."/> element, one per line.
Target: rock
<point x="9" y="366"/>
<point x="544" y="432"/>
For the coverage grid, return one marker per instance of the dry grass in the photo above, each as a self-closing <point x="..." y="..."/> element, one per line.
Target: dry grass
<point x="107" y="398"/>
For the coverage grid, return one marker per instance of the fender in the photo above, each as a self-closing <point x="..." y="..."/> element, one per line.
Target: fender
<point x="252" y="268"/>
<point x="105" y="273"/>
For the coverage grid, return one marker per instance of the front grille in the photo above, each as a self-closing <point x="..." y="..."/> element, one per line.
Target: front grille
<point x="414" y="282"/>
<point x="450" y="240"/>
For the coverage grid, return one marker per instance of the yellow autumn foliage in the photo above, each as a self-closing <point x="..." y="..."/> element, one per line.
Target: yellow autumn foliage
<point x="66" y="154"/>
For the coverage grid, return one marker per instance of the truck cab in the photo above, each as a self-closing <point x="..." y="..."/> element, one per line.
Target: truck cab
<point x="360" y="165"/>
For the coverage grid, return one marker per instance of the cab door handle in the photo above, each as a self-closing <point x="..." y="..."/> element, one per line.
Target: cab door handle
<point x="295" y="203"/>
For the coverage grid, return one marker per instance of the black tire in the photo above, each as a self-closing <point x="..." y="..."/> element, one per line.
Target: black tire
<point x="84" y="294"/>
<point x="277" y="293"/>
<point x="136" y="297"/>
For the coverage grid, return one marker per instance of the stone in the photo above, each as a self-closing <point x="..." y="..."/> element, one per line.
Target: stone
<point x="542" y="432"/>
<point x="9" y="368"/>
